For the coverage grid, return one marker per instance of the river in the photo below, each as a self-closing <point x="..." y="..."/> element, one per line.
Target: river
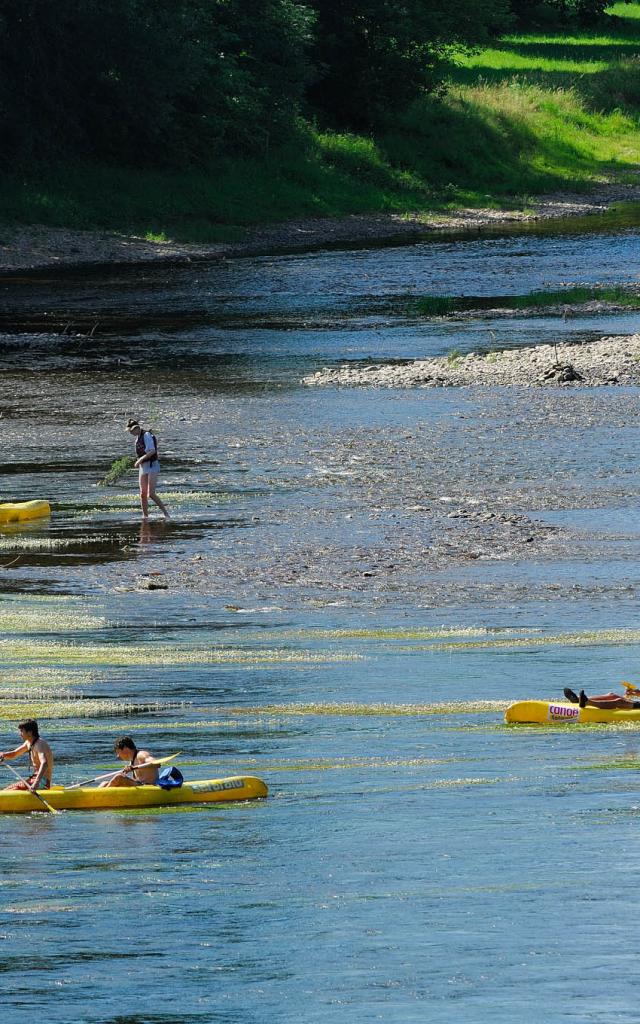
<point x="352" y="587"/>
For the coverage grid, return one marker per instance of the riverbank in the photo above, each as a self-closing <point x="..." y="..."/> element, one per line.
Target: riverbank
<point x="535" y="115"/>
<point x="41" y="248"/>
<point x="612" y="360"/>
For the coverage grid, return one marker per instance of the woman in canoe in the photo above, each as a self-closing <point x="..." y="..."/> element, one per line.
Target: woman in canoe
<point x="148" y="466"/>
<point x="605" y="701"/>
<point x="40" y="755"/>
<point x="142" y="769"/>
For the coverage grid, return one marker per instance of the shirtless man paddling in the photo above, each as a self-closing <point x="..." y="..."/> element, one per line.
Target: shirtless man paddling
<point x="135" y="774"/>
<point x="40" y="755"/>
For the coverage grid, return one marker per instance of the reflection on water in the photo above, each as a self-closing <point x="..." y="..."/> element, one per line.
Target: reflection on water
<point x="314" y="615"/>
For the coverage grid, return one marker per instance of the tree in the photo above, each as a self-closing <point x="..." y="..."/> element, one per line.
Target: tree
<point x="148" y="81"/>
<point x="585" y="12"/>
<point x="375" y="56"/>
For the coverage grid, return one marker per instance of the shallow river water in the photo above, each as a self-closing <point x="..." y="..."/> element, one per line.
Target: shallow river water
<point x="335" y="621"/>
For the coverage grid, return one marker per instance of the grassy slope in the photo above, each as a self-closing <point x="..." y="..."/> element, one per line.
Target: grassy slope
<point x="535" y="113"/>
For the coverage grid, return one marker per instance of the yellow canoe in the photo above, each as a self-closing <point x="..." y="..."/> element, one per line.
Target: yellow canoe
<point x="544" y="712"/>
<point x="19" y="511"/>
<point x="238" y="787"/>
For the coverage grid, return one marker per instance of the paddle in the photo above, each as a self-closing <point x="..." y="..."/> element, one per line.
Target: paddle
<point x="112" y="775"/>
<point x="42" y="800"/>
<point x="630" y="687"/>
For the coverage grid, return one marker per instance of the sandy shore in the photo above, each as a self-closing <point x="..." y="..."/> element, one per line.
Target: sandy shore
<point x="613" y="360"/>
<point x="37" y="248"/>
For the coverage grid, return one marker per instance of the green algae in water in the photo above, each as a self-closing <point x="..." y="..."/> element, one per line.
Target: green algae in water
<point x="36" y="653"/>
<point x="377" y="709"/>
<point x="119" y="468"/>
<point x="120" y="502"/>
<point x="47" y="615"/>
<point x="47" y="679"/>
<point x="14" y="710"/>
<point x="590" y="638"/>
<point x="18" y="543"/>
<point x="438" y="784"/>
<point x="355" y="764"/>
<point x="608" y="766"/>
<point x="417" y="633"/>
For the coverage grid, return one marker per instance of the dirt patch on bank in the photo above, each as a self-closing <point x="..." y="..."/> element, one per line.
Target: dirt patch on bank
<point x="38" y="248"/>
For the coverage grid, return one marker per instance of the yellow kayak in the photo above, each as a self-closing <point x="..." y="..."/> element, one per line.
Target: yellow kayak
<point x="544" y="712"/>
<point x="19" y="511"/>
<point x="239" y="787"/>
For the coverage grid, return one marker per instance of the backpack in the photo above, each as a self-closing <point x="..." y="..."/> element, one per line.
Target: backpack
<point x="170" y="778"/>
<point x="141" y="448"/>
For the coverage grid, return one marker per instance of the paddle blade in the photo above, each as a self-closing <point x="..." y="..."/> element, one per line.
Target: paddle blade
<point x="630" y="687"/>
<point x="51" y="810"/>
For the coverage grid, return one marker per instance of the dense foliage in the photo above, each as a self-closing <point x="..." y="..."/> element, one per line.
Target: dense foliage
<point x="375" y="56"/>
<point x="148" y="81"/>
<point x="584" y="12"/>
<point x="177" y="83"/>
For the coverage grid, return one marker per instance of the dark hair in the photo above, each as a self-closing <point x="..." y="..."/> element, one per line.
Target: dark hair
<point x="132" y="423"/>
<point x="31" y="726"/>
<point x="125" y="741"/>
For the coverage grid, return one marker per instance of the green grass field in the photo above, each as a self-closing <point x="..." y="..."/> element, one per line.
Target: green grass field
<point x="532" y="114"/>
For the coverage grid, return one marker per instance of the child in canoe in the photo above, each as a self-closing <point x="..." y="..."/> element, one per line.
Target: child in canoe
<point x="40" y="755"/>
<point x="135" y="774"/>
<point x="605" y="701"/>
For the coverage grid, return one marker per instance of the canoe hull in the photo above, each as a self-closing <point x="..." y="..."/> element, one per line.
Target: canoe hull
<point x="544" y="712"/>
<point x="240" y="787"/>
<point x="20" y="511"/>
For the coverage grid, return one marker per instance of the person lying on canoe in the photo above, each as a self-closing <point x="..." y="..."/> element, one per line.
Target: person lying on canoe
<point x="40" y="755"/>
<point x="605" y="701"/>
<point x="135" y="774"/>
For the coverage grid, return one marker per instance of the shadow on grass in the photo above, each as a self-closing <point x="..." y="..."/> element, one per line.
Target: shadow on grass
<point x="596" y="51"/>
<point x="488" y="152"/>
<point x="615" y="42"/>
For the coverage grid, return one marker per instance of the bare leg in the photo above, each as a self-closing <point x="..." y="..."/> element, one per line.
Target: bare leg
<point x="117" y="782"/>
<point x="144" y="492"/>
<point x="153" y="477"/>
<point x="610" y="702"/>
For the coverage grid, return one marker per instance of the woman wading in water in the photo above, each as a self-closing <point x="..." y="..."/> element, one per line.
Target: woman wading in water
<point x="148" y="467"/>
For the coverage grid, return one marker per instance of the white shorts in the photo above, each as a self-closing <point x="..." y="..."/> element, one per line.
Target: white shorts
<point x="145" y="471"/>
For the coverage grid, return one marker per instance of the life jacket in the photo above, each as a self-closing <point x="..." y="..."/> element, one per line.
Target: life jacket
<point x="133" y="759"/>
<point x="140" y="446"/>
<point x="170" y="777"/>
